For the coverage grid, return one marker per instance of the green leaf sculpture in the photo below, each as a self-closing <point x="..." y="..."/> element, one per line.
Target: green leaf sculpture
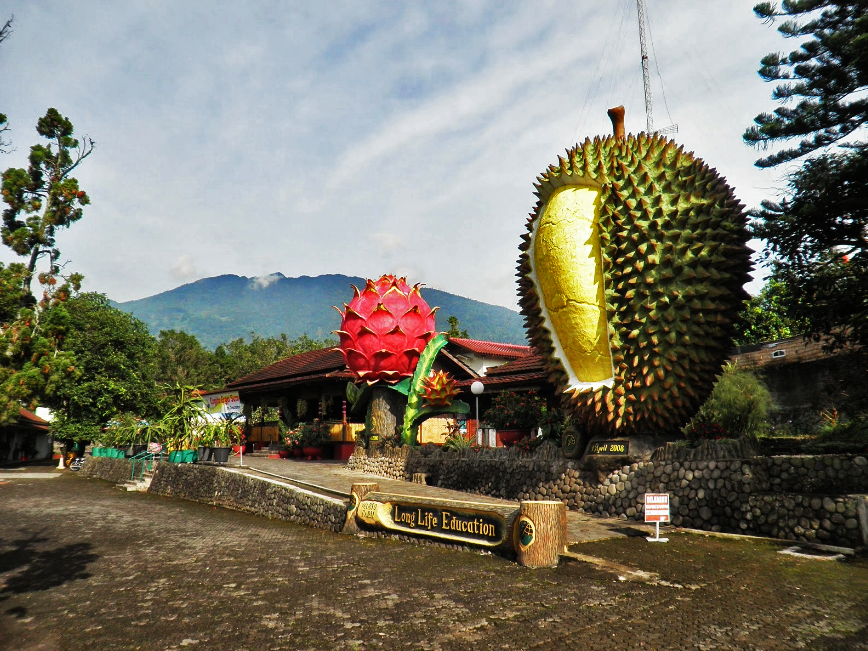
<point x="416" y="409"/>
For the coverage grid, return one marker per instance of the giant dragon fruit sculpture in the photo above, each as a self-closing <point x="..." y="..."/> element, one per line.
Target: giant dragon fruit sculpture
<point x="388" y="339"/>
<point x="384" y="329"/>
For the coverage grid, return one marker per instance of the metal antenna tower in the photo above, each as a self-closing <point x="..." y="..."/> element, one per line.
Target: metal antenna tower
<point x="646" y="77"/>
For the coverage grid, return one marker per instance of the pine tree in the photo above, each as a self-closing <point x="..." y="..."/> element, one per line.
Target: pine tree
<point x="828" y="74"/>
<point x="817" y="237"/>
<point x="40" y="199"/>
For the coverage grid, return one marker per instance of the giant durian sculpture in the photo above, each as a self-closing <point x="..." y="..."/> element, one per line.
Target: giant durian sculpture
<point x="630" y="278"/>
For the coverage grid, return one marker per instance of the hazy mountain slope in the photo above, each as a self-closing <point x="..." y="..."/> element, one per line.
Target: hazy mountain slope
<point x="226" y="307"/>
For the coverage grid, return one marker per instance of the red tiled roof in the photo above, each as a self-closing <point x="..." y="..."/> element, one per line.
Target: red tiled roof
<point x="282" y="383"/>
<point x="529" y="363"/>
<point x="529" y="369"/>
<point x="493" y="348"/>
<point x="315" y="362"/>
<point x="29" y="418"/>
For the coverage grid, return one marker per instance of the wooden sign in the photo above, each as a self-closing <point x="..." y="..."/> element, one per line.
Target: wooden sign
<point x="478" y="527"/>
<point x="656" y="507"/>
<point x="618" y="448"/>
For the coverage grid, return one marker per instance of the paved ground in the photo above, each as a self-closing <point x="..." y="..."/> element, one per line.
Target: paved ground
<point x="84" y="566"/>
<point x="580" y="527"/>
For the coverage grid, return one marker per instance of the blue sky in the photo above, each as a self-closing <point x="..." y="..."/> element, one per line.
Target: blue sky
<point x="357" y="138"/>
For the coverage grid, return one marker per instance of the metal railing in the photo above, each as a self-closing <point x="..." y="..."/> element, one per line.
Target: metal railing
<point x="146" y="459"/>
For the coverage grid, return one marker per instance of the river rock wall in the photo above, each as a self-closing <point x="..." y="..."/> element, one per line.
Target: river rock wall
<point x="801" y="498"/>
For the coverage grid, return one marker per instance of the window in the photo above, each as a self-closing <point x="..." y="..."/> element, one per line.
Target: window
<point x="778" y="353"/>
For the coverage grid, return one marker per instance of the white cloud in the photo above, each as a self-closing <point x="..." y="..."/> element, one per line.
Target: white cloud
<point x="263" y="282"/>
<point x="356" y="137"/>
<point x="184" y="269"/>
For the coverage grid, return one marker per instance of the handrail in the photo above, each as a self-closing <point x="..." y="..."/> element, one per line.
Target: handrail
<point x="144" y="457"/>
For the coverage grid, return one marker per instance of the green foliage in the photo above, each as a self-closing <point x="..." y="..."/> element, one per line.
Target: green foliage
<point x="765" y="316"/>
<point x="515" y="410"/>
<point x="457" y="441"/>
<point x="312" y="435"/>
<point x="115" y="355"/>
<point x="454" y="329"/>
<point x="817" y="241"/>
<point x="44" y="197"/>
<point x="239" y="358"/>
<point x="828" y="74"/>
<point x="41" y="199"/>
<point x="552" y="423"/>
<point x="739" y="404"/>
<point x="182" y="360"/>
<point x="183" y="416"/>
<point x="33" y="365"/>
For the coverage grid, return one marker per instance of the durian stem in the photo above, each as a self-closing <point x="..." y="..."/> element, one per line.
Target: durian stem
<point x="616" y="115"/>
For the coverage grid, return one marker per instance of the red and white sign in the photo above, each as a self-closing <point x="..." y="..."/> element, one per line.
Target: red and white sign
<point x="656" y="507"/>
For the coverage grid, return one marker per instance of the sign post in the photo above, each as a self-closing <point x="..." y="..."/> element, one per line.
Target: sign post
<point x="657" y="511"/>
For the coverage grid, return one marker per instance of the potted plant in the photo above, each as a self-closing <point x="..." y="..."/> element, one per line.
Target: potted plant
<point x="222" y="442"/>
<point x="313" y="437"/>
<point x="205" y="440"/>
<point x="293" y="443"/>
<point x="183" y="414"/>
<point x="514" y="414"/>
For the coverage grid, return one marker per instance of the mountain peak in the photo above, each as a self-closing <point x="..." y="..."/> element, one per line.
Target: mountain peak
<point x="221" y="308"/>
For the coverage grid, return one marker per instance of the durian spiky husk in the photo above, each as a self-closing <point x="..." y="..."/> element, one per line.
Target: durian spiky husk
<point x="674" y="260"/>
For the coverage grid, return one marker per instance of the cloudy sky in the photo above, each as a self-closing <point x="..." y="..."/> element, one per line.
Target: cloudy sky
<point x="358" y="138"/>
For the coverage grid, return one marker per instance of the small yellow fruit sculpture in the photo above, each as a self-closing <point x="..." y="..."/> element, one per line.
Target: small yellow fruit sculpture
<point x="630" y="278"/>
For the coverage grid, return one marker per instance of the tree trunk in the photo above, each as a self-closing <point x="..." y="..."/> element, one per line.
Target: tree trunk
<point x="357" y="492"/>
<point x="540" y="533"/>
<point x="387" y="416"/>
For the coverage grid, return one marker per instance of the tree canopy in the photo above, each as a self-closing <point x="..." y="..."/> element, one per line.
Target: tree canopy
<point x="115" y="354"/>
<point x="44" y="197"/>
<point x="766" y="316"/>
<point x="817" y="236"/>
<point x="40" y="199"/>
<point x="828" y="74"/>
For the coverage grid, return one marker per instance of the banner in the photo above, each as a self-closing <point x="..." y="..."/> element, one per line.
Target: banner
<point x="222" y="403"/>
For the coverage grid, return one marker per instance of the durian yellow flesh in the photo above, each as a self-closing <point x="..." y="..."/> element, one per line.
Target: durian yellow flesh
<point x="567" y="268"/>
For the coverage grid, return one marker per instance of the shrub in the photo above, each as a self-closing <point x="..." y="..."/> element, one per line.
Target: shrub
<point x="515" y="410"/>
<point x="739" y="404"/>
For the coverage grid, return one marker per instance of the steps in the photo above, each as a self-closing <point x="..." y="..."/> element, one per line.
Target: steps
<point x="138" y="486"/>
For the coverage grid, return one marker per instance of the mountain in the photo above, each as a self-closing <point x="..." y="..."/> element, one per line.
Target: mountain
<point x="223" y="308"/>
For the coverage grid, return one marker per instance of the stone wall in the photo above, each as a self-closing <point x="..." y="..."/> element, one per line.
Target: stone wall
<point x="804" y="498"/>
<point x="116" y="471"/>
<point x="234" y="490"/>
<point x="391" y="463"/>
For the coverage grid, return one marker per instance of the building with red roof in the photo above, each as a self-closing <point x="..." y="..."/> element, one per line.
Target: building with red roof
<point x="26" y="440"/>
<point x="313" y="384"/>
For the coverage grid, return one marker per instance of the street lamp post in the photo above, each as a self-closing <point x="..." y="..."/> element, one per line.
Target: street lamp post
<point x="477" y="388"/>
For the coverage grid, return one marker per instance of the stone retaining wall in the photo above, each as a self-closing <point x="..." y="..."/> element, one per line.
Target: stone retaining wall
<point x="802" y="498"/>
<point x="116" y="471"/>
<point x="265" y="497"/>
<point x="391" y="463"/>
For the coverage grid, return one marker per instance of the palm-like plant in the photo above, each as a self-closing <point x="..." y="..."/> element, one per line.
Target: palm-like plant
<point x="183" y="416"/>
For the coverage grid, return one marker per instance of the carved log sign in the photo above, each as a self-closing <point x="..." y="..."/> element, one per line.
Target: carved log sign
<point x="617" y="448"/>
<point x="477" y="527"/>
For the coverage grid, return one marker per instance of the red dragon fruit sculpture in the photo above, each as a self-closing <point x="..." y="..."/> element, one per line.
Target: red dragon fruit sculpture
<point x="384" y="329"/>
